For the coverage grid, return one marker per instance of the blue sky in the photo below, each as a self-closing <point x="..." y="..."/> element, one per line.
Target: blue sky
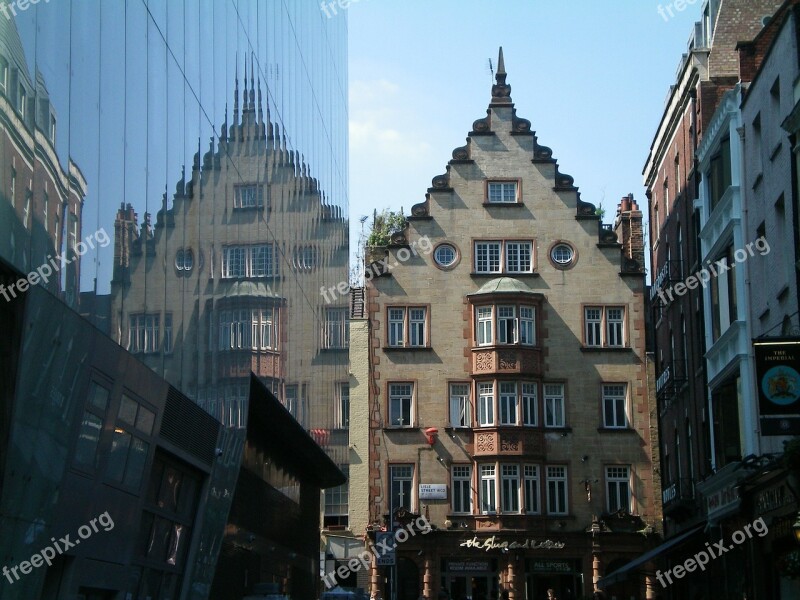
<point x="592" y="77"/>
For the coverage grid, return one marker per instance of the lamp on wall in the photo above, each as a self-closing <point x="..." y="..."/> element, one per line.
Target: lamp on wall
<point x="796" y="528"/>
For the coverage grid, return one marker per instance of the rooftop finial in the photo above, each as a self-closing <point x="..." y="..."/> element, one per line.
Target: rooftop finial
<point x="501" y="91"/>
<point x="501" y="66"/>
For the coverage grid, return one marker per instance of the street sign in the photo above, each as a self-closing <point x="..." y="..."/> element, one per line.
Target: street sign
<point x="432" y="491"/>
<point x="386" y="558"/>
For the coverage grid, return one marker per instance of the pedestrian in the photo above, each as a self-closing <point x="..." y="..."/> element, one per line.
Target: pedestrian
<point x="551" y="594"/>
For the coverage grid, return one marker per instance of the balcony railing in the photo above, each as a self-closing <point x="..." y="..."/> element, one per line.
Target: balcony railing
<point x="671" y="272"/>
<point x="679" y="496"/>
<point x="671" y="381"/>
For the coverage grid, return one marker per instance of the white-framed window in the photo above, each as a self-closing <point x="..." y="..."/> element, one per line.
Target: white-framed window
<point x="3" y="75"/>
<point x="618" y="489"/>
<point x="462" y="489"/>
<point x="562" y="254"/>
<point x="305" y="257"/>
<point x="184" y="259"/>
<point x="73" y="232"/>
<point x="168" y="333"/>
<point x="13" y="190"/>
<point x="515" y="324"/>
<point x="485" y="404"/>
<point x="529" y="404"/>
<point x="593" y="319"/>
<point x="614" y="326"/>
<point x="531" y="489"/>
<point x="401" y="399"/>
<point x="337" y="329"/>
<point x="52" y="129"/>
<point x="22" y="102"/>
<point x="416" y="326"/>
<point x="615" y="414"/>
<point x="498" y="256"/>
<point x="26" y="210"/>
<point x="502" y="192"/>
<point x="460" y="414"/>
<point x="407" y="326"/>
<point x="554" y="405"/>
<point x="483" y="326"/>
<point x="248" y="196"/>
<point x="343" y="406"/>
<point x="337" y="505"/>
<point x="143" y="333"/>
<point x="604" y="326"/>
<point x="45" y="211"/>
<point x="445" y="255"/>
<point x="507" y="325"/>
<point x="487" y="257"/>
<point x="401" y="478"/>
<point x="519" y="257"/>
<point x="508" y="403"/>
<point x="249" y="261"/>
<point x="509" y="488"/>
<point x="248" y="329"/>
<point x="290" y="398"/>
<point x="556" y="490"/>
<point x="488" y="492"/>
<point x="527" y="325"/>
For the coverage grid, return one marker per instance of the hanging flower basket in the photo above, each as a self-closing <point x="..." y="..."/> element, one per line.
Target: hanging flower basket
<point x="789" y="565"/>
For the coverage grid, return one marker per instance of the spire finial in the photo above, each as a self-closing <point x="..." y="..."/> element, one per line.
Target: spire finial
<point x="501" y="91"/>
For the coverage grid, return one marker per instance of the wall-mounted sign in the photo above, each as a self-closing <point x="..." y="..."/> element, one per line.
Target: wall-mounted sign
<point x="773" y="499"/>
<point x="495" y="543"/>
<point x="463" y="566"/>
<point x="722" y="501"/>
<point x="553" y="566"/>
<point x="778" y="377"/>
<point x="383" y="540"/>
<point x="432" y="491"/>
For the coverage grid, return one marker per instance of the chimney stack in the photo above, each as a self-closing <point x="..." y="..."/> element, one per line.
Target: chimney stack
<point x="628" y="227"/>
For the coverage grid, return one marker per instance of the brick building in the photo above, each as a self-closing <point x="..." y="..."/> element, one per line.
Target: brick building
<point x="695" y="186"/>
<point x="41" y="195"/>
<point x="509" y="400"/>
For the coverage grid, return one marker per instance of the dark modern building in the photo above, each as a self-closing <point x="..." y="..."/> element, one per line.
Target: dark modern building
<point x="272" y="534"/>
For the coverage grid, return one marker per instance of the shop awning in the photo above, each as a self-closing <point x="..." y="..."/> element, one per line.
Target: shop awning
<point x="621" y="574"/>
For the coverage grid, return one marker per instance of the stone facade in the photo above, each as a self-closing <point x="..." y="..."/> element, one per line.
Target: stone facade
<point x="485" y="356"/>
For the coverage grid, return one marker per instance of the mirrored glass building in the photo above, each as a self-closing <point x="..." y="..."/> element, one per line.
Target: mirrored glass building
<point x="177" y="172"/>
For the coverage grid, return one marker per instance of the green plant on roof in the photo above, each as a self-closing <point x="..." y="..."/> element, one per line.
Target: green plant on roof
<point x="384" y="224"/>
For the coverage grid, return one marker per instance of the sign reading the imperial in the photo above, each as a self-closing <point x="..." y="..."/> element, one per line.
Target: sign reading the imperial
<point x="432" y="491"/>
<point x="493" y="543"/>
<point x="778" y="377"/>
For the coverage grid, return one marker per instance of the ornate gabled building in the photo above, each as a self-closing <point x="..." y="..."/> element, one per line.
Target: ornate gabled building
<point x="509" y="398"/>
<point x="239" y="254"/>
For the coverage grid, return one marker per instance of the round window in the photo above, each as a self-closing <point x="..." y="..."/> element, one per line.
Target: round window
<point x="562" y="254"/>
<point x="445" y="255"/>
<point x="184" y="260"/>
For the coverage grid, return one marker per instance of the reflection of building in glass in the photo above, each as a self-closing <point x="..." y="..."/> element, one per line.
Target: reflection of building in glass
<point x="41" y="202"/>
<point x="237" y="254"/>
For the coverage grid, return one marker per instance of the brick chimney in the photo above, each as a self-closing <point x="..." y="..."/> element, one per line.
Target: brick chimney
<point x="628" y="227"/>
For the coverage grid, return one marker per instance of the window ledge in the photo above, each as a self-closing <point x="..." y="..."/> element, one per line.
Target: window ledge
<point x="408" y="348"/>
<point x="247" y="208"/>
<point x="515" y="204"/>
<point x="340" y="349"/>
<point x="775" y="151"/>
<point x="616" y="430"/>
<point x="782" y="293"/>
<point x="606" y="349"/>
<point x="503" y="274"/>
<point x="398" y="428"/>
<point x="757" y="180"/>
<point x="562" y="430"/>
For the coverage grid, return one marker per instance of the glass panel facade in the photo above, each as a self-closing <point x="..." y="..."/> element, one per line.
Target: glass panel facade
<point x="218" y="149"/>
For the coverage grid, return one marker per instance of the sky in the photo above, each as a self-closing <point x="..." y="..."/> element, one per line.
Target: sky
<point x="592" y="77"/>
